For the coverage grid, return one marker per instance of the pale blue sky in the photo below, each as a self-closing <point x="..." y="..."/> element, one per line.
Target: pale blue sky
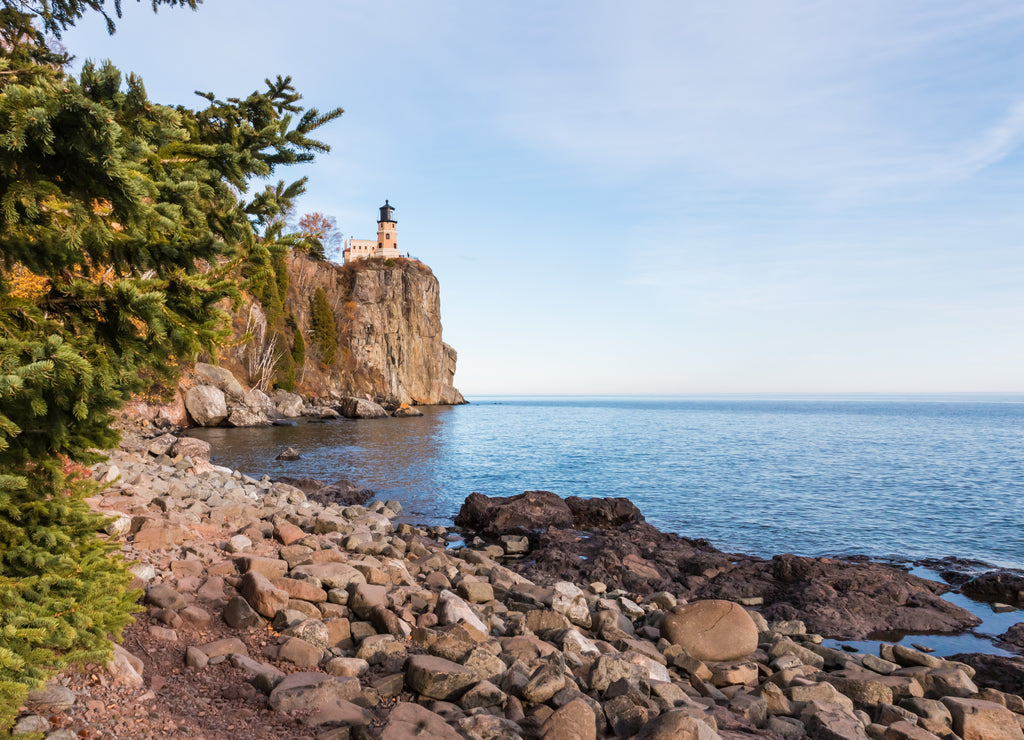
<point x="661" y="197"/>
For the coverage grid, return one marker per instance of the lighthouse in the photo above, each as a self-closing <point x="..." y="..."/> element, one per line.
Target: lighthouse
<point x="386" y="246"/>
<point x="387" y="232"/>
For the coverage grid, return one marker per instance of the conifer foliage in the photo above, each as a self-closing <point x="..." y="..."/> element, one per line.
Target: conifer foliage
<point x="324" y="326"/>
<point x="123" y="229"/>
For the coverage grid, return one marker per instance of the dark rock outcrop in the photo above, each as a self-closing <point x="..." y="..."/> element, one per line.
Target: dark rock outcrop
<point x="836" y="598"/>
<point x="1003" y="585"/>
<point x="525" y="512"/>
<point x="995" y="671"/>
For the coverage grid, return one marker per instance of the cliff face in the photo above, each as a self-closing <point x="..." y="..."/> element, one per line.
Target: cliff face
<point x="388" y="317"/>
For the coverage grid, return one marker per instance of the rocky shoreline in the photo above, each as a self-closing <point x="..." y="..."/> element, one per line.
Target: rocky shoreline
<point x="272" y="612"/>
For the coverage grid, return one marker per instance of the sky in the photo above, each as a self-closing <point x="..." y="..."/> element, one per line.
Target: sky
<point x="659" y="197"/>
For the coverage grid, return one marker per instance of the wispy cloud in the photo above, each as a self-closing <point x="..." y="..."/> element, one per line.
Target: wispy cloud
<point x="837" y="98"/>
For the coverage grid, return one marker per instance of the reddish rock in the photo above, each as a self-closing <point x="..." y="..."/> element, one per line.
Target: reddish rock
<point x="301" y="589"/>
<point x="287" y="533"/>
<point x="412" y="722"/>
<point x="975" y="719"/>
<point x="262" y="595"/>
<point x="711" y="630"/>
<point x="158" y="534"/>
<point x="269" y="567"/>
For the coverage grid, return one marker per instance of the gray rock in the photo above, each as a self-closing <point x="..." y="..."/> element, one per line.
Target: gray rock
<point x="289" y="454"/>
<point x="288" y="404"/>
<point x="165" y="597"/>
<point x="362" y="408"/>
<point x="206" y="405"/>
<point x="197" y="449"/>
<point x="413" y="722"/>
<point x="241" y="616"/>
<point x="31" y="723"/>
<point x="242" y="416"/>
<point x="221" y="379"/>
<point x="306" y="691"/>
<point x="161" y="445"/>
<point x="301" y="653"/>
<point x="50" y="699"/>
<point x="437" y="678"/>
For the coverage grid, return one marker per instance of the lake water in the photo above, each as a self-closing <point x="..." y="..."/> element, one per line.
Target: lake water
<point x="901" y="477"/>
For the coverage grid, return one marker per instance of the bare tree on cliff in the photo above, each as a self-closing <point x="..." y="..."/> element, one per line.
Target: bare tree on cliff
<point x="323" y="236"/>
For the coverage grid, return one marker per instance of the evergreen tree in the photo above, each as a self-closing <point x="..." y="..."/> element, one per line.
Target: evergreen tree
<point x="58" y="15"/>
<point x="325" y="329"/>
<point x="123" y="224"/>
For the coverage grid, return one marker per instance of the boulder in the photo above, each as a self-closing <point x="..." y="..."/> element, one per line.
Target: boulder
<point x="406" y="411"/>
<point x="676" y="724"/>
<point x="197" y="449"/>
<point x="262" y="595"/>
<point x="161" y="445"/>
<point x="55" y="698"/>
<point x="259" y="402"/>
<point x="574" y="721"/>
<point x="362" y="408"/>
<point x="437" y="678"/>
<point x="409" y="721"/>
<point x="452" y="610"/>
<point x="1014" y="635"/>
<point x="288" y="404"/>
<point x="206" y="405"/>
<point x="242" y="416"/>
<point x="342" y="492"/>
<point x="220" y="378"/>
<point x="289" y="454"/>
<point x="976" y="719"/>
<point x="711" y="630"/>
<point x="308" y="691"/>
<point x="532" y="510"/>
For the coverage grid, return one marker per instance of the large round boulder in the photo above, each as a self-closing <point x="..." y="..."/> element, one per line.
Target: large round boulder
<point x="711" y="630"/>
<point x="206" y="405"/>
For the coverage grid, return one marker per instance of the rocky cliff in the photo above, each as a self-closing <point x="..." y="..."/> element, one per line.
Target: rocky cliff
<point x="388" y="320"/>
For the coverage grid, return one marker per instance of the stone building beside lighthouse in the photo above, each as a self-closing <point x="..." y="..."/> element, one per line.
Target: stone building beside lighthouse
<point x="386" y="245"/>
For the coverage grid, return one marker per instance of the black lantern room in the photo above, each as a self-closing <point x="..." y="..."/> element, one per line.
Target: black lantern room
<point x="387" y="213"/>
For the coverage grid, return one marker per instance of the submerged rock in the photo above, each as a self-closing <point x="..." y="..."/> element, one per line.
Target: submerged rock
<point x="289" y="454"/>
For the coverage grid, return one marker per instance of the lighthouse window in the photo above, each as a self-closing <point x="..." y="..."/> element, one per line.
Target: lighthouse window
<point x="387" y="236"/>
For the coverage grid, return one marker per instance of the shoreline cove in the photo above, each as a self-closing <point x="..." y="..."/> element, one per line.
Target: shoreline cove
<point x="900" y="478"/>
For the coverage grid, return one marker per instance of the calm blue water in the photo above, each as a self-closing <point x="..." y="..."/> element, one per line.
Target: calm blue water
<point x="903" y="477"/>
